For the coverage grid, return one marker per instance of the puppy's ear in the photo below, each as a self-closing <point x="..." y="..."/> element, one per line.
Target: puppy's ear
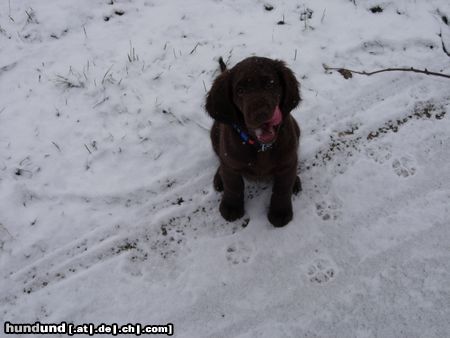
<point x="290" y="97"/>
<point x="219" y="102"/>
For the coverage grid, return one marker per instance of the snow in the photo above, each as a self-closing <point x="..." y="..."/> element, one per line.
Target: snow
<point x="107" y="211"/>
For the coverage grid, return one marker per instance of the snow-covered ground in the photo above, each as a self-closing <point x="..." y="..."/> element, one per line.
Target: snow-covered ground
<point x="107" y="211"/>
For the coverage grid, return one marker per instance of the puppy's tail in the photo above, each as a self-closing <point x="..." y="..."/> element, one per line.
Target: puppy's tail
<point x="223" y="66"/>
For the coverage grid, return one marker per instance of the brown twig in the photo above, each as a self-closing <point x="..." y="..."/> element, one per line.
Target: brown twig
<point x="443" y="45"/>
<point x="347" y="73"/>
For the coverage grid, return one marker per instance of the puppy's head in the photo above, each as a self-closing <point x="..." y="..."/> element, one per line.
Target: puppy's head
<point x="258" y="93"/>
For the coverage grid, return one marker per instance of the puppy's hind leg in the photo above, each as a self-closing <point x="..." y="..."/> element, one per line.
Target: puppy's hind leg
<point x="297" y="186"/>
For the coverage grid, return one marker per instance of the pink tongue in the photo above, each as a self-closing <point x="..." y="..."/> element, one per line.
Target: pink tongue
<point x="267" y="133"/>
<point x="276" y="118"/>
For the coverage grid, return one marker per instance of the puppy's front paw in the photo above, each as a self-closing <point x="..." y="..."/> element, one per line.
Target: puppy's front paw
<point x="280" y="217"/>
<point x="231" y="212"/>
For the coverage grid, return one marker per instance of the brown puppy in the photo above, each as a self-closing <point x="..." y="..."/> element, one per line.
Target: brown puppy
<point x="254" y="134"/>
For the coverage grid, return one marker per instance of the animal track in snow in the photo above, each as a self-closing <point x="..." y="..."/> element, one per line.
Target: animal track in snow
<point x="328" y="210"/>
<point x="404" y="166"/>
<point x="238" y="253"/>
<point x="320" y="271"/>
<point x="380" y="154"/>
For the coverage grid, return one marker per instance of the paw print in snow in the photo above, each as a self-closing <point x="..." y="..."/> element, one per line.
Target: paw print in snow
<point x="320" y="271"/>
<point x="379" y="154"/>
<point x="328" y="210"/>
<point x="238" y="253"/>
<point x="404" y="166"/>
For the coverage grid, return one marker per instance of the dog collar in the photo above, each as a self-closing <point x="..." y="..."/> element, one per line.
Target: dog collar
<point x="246" y="139"/>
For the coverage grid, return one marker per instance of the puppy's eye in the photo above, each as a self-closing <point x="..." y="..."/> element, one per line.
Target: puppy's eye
<point x="240" y="90"/>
